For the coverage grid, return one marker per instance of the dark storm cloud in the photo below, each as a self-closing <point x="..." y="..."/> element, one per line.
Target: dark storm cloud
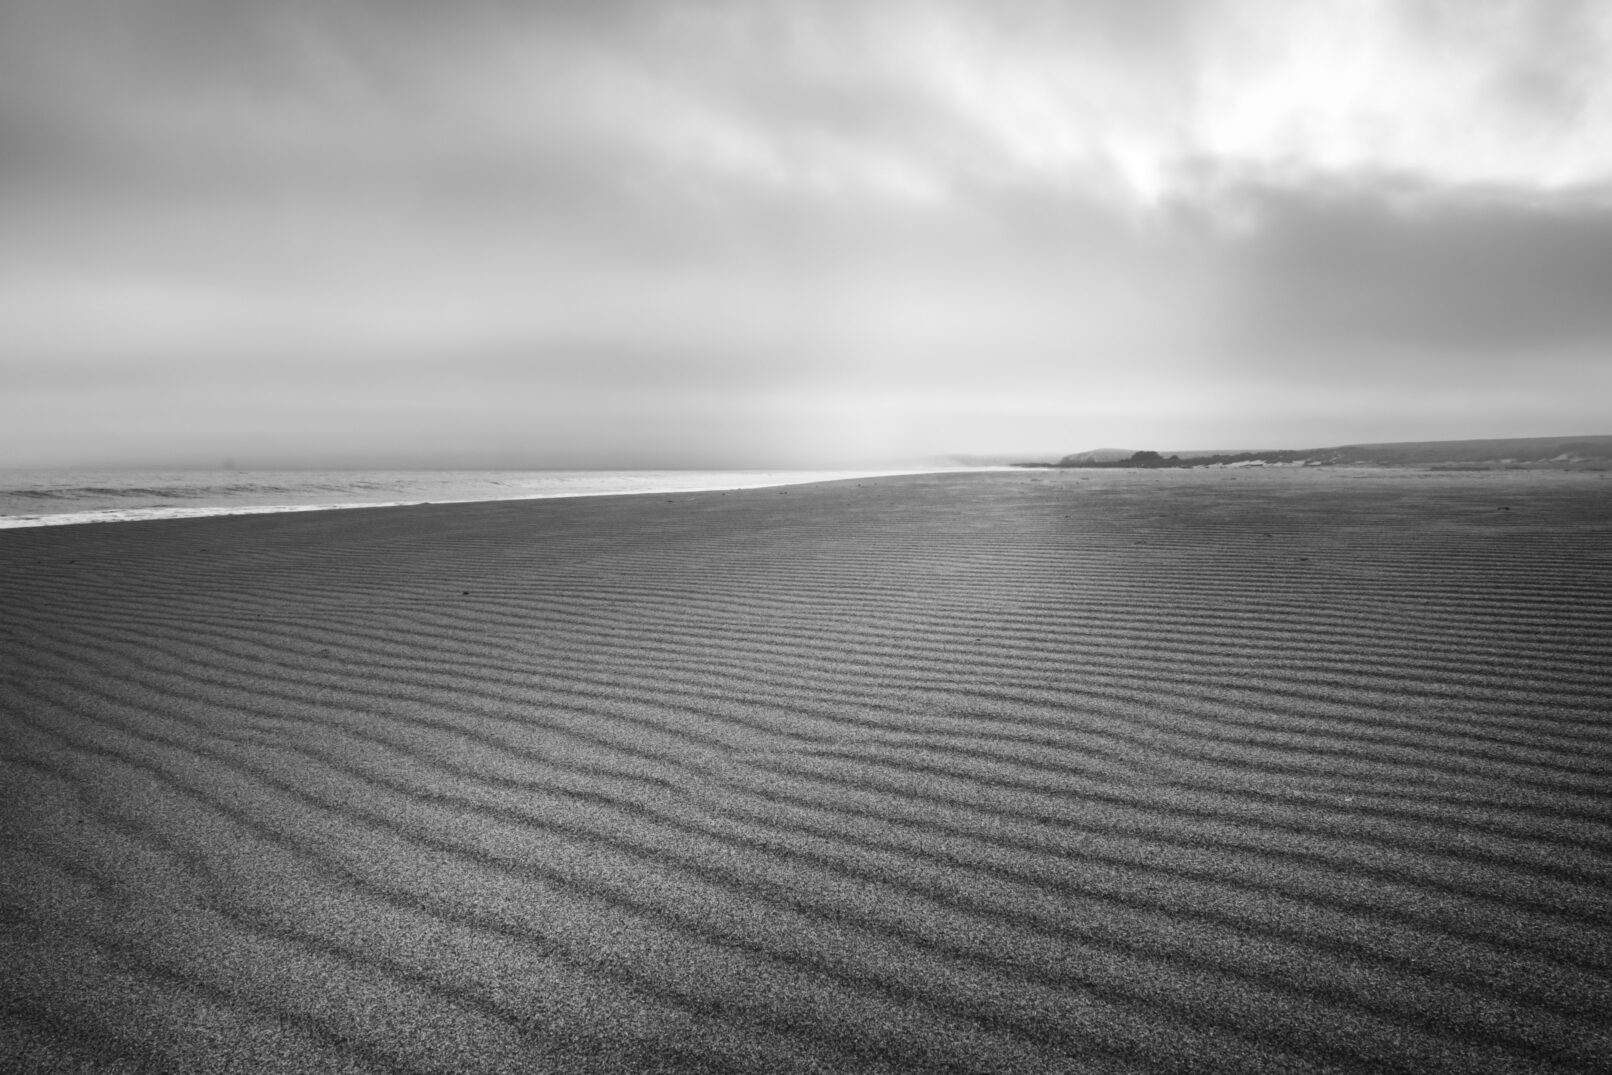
<point x="1471" y="273"/>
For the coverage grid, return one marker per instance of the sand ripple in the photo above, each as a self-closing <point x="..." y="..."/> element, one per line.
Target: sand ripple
<point x="976" y="772"/>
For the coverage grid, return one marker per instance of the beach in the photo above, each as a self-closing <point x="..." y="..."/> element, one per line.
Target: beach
<point x="1273" y="770"/>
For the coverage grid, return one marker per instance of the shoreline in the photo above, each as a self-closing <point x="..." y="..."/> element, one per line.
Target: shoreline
<point x="168" y="513"/>
<point x="773" y="479"/>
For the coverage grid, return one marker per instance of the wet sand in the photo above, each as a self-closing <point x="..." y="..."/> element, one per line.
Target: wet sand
<point x="1036" y="771"/>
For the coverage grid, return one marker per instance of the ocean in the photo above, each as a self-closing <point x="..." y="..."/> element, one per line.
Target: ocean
<point x="57" y="497"/>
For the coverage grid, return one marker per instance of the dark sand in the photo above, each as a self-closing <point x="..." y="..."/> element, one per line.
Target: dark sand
<point x="1037" y="771"/>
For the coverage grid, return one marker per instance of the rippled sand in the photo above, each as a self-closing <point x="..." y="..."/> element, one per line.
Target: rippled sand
<point x="1040" y="771"/>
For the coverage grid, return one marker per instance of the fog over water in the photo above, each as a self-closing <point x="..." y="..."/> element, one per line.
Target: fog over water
<point x="770" y="233"/>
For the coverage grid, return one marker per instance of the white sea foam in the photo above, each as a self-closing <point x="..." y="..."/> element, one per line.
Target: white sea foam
<point x="56" y="498"/>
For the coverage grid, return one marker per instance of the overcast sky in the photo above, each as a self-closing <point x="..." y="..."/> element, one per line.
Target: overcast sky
<point x="729" y="233"/>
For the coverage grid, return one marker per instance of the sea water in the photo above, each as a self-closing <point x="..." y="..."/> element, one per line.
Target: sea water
<point x="55" y="497"/>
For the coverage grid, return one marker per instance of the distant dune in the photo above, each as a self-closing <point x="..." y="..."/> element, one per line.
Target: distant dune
<point x="1099" y="455"/>
<point x="1583" y="452"/>
<point x="1035" y="771"/>
<point x="1517" y="450"/>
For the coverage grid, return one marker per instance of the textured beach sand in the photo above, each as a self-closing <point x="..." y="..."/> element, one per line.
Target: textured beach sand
<point x="1034" y="771"/>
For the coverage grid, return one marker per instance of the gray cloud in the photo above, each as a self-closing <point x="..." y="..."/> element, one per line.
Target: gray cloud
<point x="1477" y="274"/>
<point x="681" y="229"/>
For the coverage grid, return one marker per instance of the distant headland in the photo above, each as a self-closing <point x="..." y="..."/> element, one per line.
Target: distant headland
<point x="1580" y="452"/>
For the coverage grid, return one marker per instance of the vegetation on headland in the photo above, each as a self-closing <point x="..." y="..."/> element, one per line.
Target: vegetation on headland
<point x="1591" y="452"/>
<point x="1153" y="460"/>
